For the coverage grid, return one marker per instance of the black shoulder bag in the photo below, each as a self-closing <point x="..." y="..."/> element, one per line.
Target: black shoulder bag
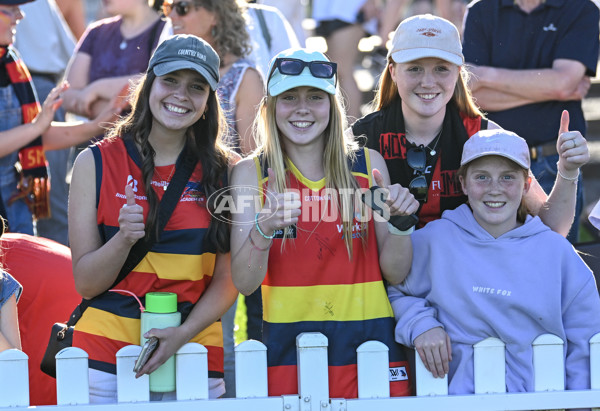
<point x="61" y="335"/>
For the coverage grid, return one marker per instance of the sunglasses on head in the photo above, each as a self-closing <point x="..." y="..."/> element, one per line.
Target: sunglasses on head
<point x="294" y="67"/>
<point x="181" y="8"/>
<point x="416" y="157"/>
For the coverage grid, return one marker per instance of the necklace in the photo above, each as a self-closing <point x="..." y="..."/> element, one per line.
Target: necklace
<point x="123" y="44"/>
<point x="165" y="183"/>
<point x="436" y="140"/>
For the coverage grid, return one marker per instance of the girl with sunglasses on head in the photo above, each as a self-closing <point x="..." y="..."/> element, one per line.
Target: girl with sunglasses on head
<point x="117" y="184"/>
<point x="511" y="277"/>
<point x="425" y="113"/>
<point x="222" y="23"/>
<point x="110" y="53"/>
<point x="321" y="266"/>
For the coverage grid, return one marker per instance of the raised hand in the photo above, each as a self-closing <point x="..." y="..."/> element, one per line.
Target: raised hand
<point x="51" y="104"/>
<point x="398" y="199"/>
<point x="572" y="147"/>
<point x="131" y="218"/>
<point x="435" y="351"/>
<point x="280" y="209"/>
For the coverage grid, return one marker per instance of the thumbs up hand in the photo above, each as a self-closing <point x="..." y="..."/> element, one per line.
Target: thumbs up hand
<point x="280" y="209"/>
<point x="399" y="199"/>
<point x="131" y="218"/>
<point x="572" y="148"/>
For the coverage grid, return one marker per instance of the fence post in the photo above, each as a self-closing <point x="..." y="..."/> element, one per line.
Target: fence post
<point x="72" y="378"/>
<point x="548" y="363"/>
<point x="251" y="370"/>
<point x="313" y="378"/>
<point x="595" y="362"/>
<point x="427" y="384"/>
<point x="130" y="389"/>
<point x="489" y="363"/>
<point x="373" y="370"/>
<point x="14" y="379"/>
<point x="191" y="365"/>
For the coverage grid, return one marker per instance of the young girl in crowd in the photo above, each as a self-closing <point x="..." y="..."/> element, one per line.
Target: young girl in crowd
<point x="425" y="113"/>
<point x="114" y="195"/>
<point x="10" y="291"/>
<point x="511" y="278"/>
<point x="26" y="132"/>
<point x="321" y="269"/>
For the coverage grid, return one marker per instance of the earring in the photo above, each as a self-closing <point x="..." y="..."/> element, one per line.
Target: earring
<point x="213" y="31"/>
<point x="204" y="116"/>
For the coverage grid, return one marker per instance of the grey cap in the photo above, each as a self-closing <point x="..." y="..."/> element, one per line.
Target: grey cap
<point x="186" y="51"/>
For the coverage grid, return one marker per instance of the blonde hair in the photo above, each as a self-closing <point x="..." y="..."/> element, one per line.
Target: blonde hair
<point x="387" y="92"/>
<point x="339" y="151"/>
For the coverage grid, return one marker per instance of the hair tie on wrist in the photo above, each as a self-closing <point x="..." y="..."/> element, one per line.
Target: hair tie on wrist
<point x="268" y="237"/>
<point x="573" y="179"/>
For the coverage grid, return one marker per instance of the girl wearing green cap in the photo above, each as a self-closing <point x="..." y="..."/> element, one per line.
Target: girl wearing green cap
<point x="320" y="264"/>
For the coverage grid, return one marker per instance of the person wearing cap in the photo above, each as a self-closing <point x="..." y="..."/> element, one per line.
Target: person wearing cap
<point x="321" y="266"/>
<point x="222" y="24"/>
<point x="26" y="131"/>
<point x="511" y="277"/>
<point x="425" y="113"/>
<point x="532" y="60"/>
<point x="114" y="196"/>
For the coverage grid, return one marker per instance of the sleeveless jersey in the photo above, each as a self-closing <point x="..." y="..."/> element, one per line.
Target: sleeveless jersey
<point x="180" y="262"/>
<point x="313" y="286"/>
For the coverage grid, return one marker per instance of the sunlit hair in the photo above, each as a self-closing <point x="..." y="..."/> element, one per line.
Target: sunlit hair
<point x="523" y="211"/>
<point x="340" y="149"/>
<point x="230" y="34"/>
<point x="387" y="92"/>
<point x="203" y="138"/>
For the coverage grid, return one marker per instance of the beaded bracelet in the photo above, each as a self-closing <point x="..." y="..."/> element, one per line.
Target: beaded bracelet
<point x="573" y="179"/>
<point x="268" y="237"/>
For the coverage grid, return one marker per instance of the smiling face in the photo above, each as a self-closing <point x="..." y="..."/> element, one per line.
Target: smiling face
<point x="199" y="21"/>
<point x="425" y="86"/>
<point x="9" y="17"/>
<point x="177" y="100"/>
<point x="495" y="186"/>
<point x="302" y="115"/>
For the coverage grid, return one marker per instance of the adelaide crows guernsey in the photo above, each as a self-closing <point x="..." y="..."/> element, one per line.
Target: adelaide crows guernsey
<point x="313" y="286"/>
<point x="179" y="262"/>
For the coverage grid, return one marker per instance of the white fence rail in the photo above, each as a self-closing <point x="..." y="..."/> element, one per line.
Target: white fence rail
<point x="313" y="384"/>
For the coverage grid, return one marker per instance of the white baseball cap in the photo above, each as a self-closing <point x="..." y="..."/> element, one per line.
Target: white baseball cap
<point x="426" y="35"/>
<point x="497" y="142"/>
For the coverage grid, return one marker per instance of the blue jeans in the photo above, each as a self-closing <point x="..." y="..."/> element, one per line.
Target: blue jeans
<point x="18" y="215"/>
<point x="544" y="170"/>
<point x="55" y="227"/>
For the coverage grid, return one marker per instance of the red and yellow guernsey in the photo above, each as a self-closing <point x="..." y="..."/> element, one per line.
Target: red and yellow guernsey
<point x="180" y="262"/>
<point x="313" y="286"/>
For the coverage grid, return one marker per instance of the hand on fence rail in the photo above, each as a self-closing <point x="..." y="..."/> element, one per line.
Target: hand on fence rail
<point x="435" y="351"/>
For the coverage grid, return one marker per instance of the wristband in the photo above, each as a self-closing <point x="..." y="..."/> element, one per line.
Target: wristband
<point x="394" y="231"/>
<point x="268" y="237"/>
<point x="573" y="179"/>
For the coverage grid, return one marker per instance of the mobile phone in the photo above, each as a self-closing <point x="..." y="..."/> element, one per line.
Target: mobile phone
<point x="374" y="198"/>
<point x="148" y="349"/>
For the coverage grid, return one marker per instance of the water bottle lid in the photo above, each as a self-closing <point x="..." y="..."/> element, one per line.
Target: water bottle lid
<point x="161" y="302"/>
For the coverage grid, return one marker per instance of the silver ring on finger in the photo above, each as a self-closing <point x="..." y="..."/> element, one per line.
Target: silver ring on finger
<point x="574" y="143"/>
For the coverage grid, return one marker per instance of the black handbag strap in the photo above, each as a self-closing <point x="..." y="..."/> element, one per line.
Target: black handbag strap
<point x="184" y="168"/>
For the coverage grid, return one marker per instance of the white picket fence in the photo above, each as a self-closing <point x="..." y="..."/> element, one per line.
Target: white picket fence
<point x="313" y="385"/>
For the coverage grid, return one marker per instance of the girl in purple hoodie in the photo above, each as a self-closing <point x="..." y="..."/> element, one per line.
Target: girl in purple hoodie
<point x="510" y="277"/>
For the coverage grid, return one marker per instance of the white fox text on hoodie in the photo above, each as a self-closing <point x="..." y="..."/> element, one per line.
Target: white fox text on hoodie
<point x="527" y="282"/>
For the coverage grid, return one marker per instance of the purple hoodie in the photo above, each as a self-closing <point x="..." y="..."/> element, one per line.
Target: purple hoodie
<point x="527" y="282"/>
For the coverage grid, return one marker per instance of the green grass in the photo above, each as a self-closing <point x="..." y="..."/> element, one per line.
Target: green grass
<point x="240" y="332"/>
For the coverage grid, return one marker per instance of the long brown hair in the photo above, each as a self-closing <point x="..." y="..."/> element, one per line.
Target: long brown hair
<point x="204" y="140"/>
